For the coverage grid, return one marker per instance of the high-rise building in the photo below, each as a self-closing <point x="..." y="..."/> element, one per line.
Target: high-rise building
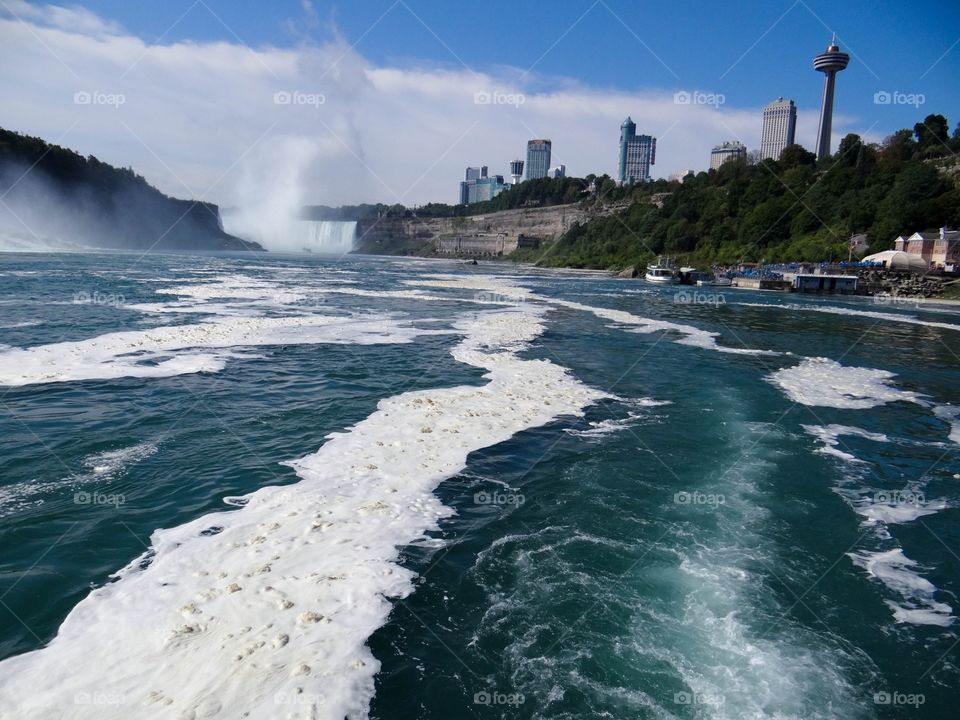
<point x="637" y="154"/>
<point x="557" y="172"/>
<point x="468" y="188"/>
<point x="487" y="188"/>
<point x="478" y="187"/>
<point x="829" y="63"/>
<point x="538" y="158"/>
<point x="727" y="151"/>
<point x="516" y="171"/>
<point x="779" y="128"/>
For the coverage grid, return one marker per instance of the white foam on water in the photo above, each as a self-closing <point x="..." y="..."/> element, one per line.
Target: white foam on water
<point x="226" y="286"/>
<point x="173" y="350"/>
<point x="401" y="294"/>
<point x="490" y="285"/>
<point x="951" y="415"/>
<point x="851" y="312"/>
<point x="279" y="596"/>
<point x="110" y="462"/>
<point x="880" y="508"/>
<point x="690" y="335"/>
<point x="600" y="428"/>
<point x="23" y="324"/>
<point x="196" y="307"/>
<point x="823" y="382"/>
<point x="830" y="435"/>
<point x="918" y="605"/>
<point x="891" y="513"/>
<point x="100" y="467"/>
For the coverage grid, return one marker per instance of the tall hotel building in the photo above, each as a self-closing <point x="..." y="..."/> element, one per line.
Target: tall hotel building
<point x="637" y="154"/>
<point x="726" y="152"/>
<point x="538" y="158"/>
<point x="779" y="128"/>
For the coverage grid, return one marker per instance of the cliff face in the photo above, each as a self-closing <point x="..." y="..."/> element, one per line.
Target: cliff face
<point x="53" y="192"/>
<point x="415" y="236"/>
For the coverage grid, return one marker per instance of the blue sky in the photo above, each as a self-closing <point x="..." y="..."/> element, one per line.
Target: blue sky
<point x="750" y="51"/>
<point x="386" y="92"/>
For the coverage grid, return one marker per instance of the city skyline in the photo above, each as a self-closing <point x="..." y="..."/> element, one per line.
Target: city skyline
<point x="309" y="70"/>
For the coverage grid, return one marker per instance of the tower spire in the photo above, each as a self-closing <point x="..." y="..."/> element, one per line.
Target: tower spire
<point x="829" y="63"/>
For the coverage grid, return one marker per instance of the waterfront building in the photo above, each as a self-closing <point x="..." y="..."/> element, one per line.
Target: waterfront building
<point x="557" y="172"/>
<point x="939" y="247"/>
<point x="637" y="154"/>
<point x="779" y="128"/>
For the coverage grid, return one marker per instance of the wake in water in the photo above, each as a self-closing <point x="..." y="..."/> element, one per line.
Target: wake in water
<point x="282" y="593"/>
<point x="100" y="469"/>
<point x="880" y="508"/>
<point x="246" y="592"/>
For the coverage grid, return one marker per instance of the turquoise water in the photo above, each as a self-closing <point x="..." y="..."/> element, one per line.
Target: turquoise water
<point x="684" y="548"/>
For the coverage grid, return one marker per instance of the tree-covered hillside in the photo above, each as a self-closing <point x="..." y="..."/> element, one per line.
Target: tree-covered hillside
<point x="51" y="192"/>
<point x="791" y="209"/>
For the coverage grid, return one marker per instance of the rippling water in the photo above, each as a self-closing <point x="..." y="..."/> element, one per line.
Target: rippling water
<point x="297" y="488"/>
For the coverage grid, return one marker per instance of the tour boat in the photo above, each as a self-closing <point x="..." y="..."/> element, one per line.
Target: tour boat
<point x="663" y="273"/>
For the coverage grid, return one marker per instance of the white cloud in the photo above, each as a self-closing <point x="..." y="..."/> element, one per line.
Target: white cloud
<point x="201" y="120"/>
<point x="76" y="19"/>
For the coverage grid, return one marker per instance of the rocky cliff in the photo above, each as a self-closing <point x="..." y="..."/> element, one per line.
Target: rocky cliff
<point x="418" y="236"/>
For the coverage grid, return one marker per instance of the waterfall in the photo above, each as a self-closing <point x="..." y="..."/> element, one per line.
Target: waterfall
<point x="322" y="236"/>
<point x="326" y="237"/>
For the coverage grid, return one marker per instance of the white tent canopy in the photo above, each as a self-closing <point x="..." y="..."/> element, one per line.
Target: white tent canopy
<point x="898" y="260"/>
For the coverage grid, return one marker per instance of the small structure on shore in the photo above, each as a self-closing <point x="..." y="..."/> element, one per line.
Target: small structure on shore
<point x="898" y="260"/>
<point x="823" y="283"/>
